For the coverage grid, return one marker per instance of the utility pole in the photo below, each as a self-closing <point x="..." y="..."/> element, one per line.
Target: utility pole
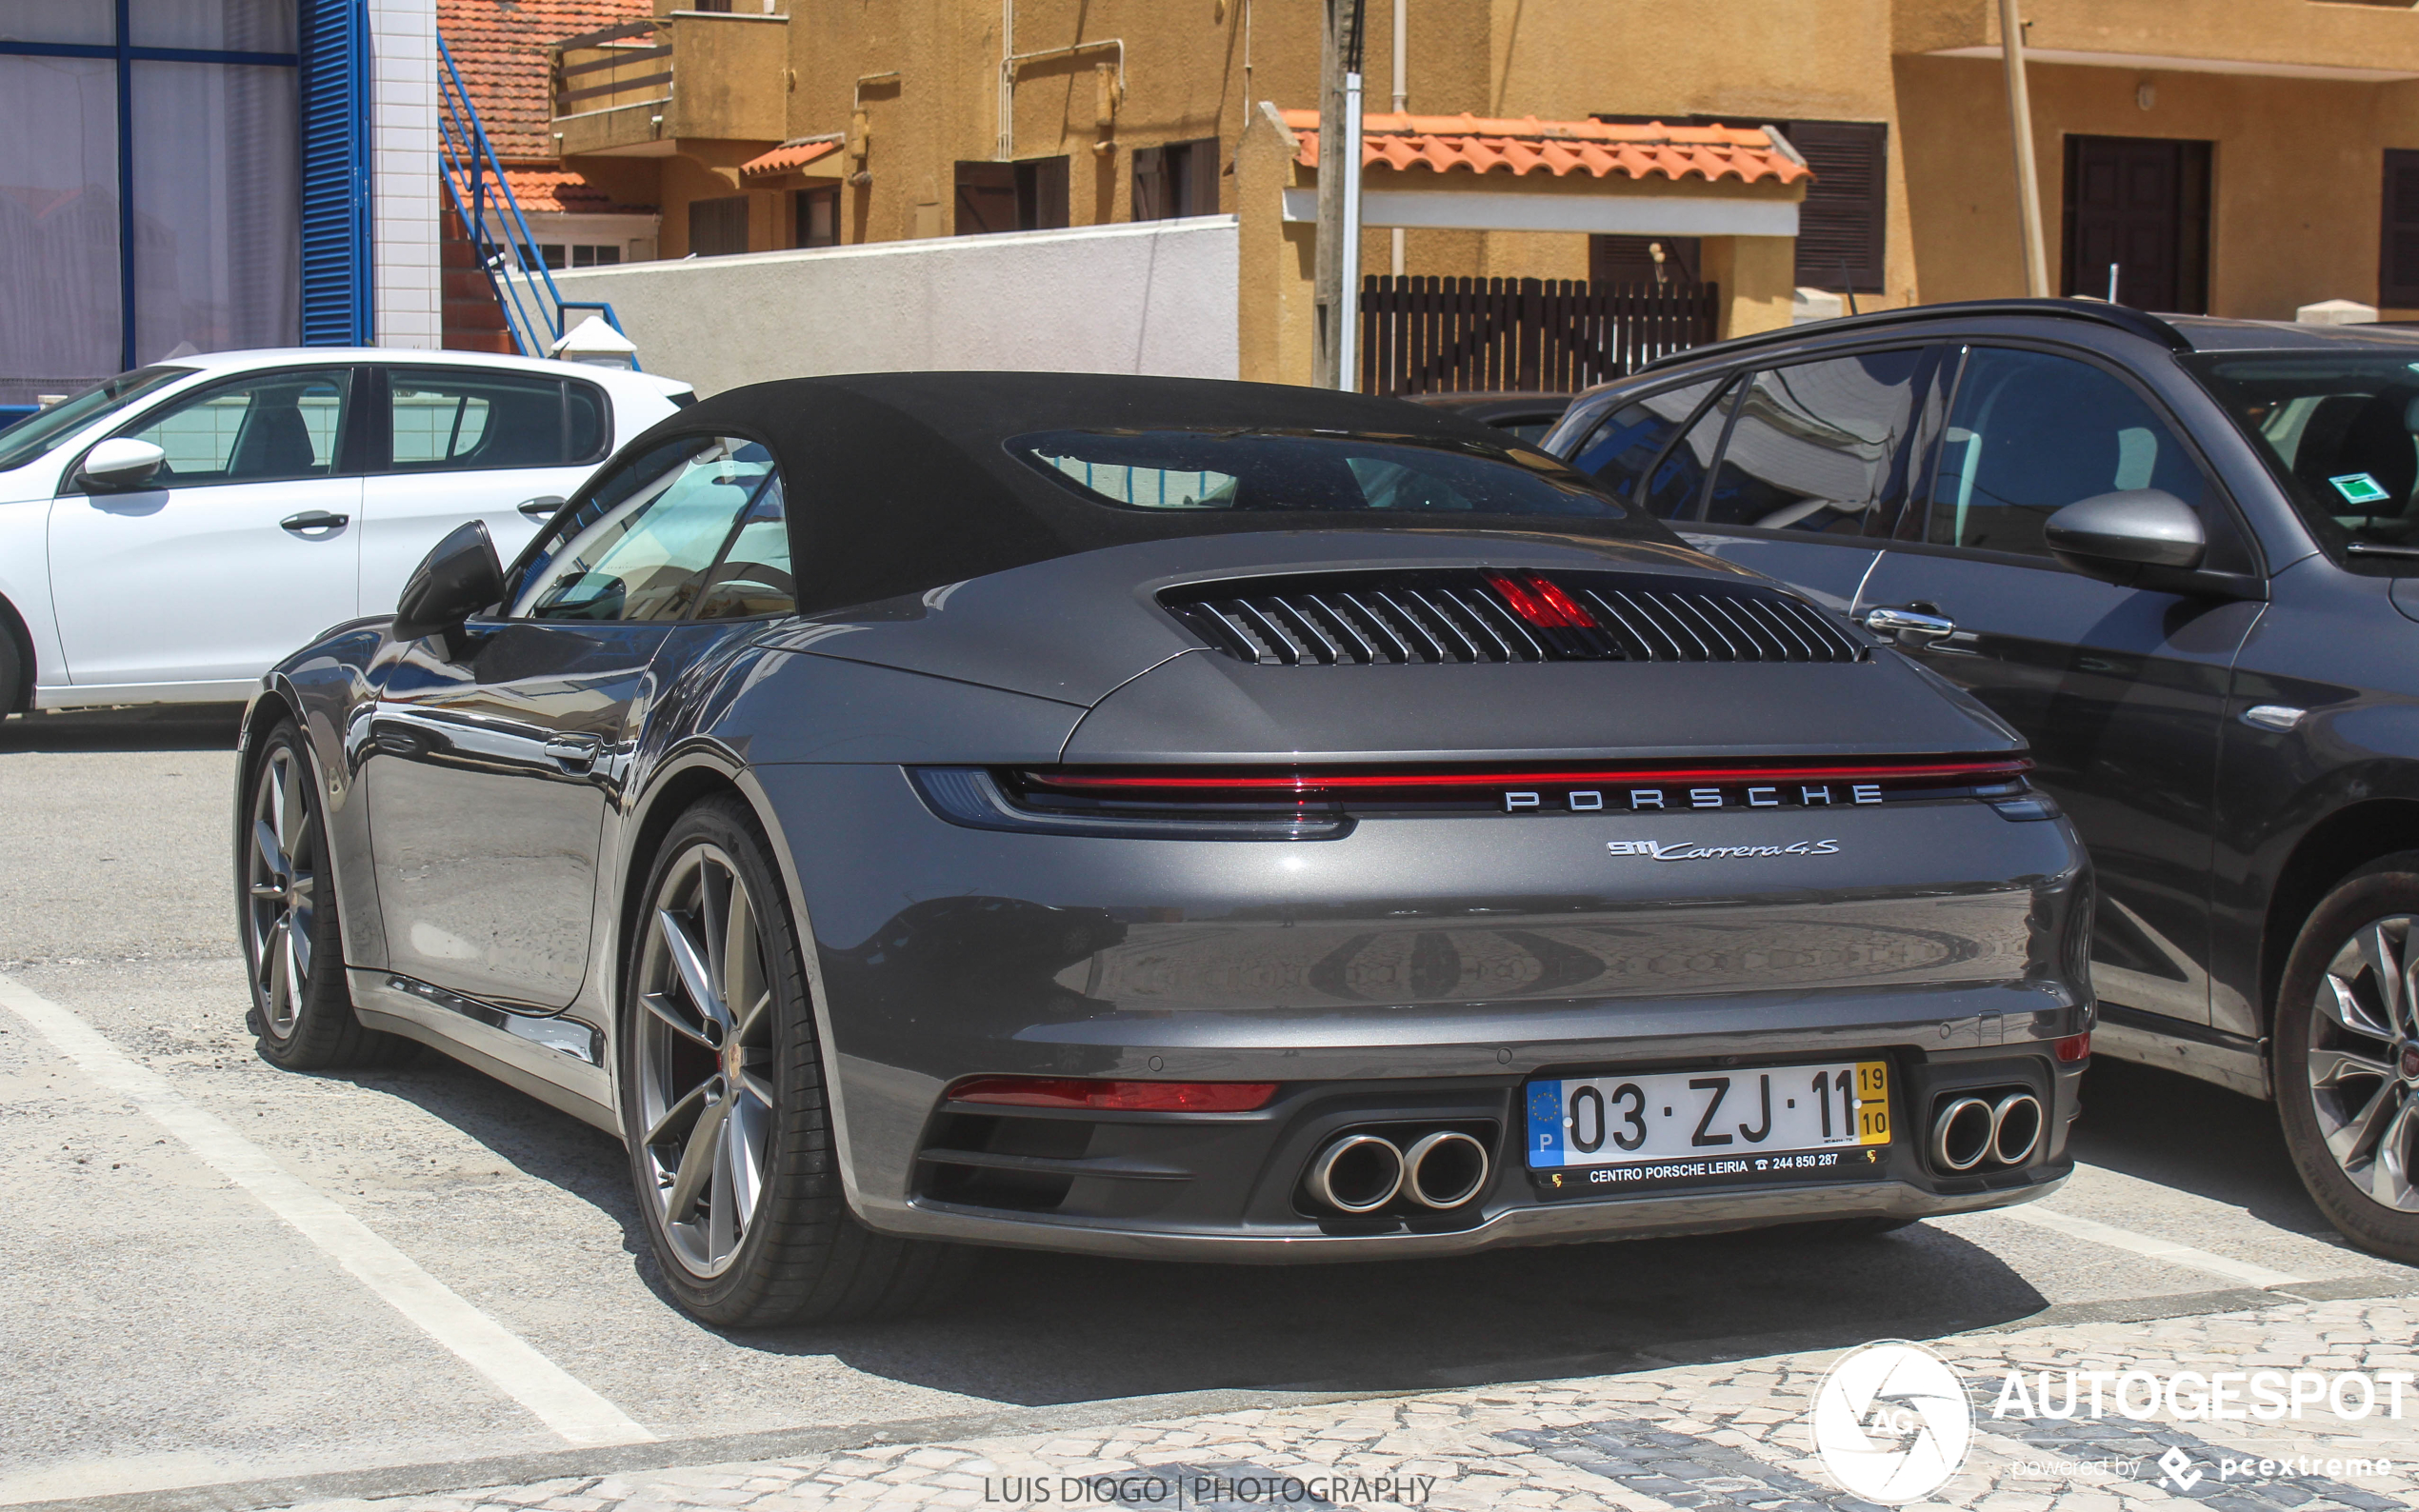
<point x="2036" y="261"/>
<point x="1339" y="231"/>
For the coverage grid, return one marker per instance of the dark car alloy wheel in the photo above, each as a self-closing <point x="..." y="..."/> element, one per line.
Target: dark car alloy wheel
<point x="723" y="1101"/>
<point x="2347" y="1048"/>
<point x="703" y="1052"/>
<point x="2363" y="1060"/>
<point x="294" y="948"/>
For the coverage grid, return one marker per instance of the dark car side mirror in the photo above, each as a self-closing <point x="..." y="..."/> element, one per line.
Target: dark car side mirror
<point x="459" y="577"/>
<point x="2116" y="536"/>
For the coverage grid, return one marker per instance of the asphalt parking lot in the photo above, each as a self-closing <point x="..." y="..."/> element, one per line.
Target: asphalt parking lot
<point x="166" y="1331"/>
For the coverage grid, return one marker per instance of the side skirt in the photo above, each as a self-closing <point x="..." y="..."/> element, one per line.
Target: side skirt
<point x="553" y="1060"/>
<point x="2232" y="1062"/>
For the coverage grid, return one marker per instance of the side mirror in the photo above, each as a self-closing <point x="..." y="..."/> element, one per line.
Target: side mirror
<point x="459" y="577"/>
<point x="2114" y="536"/>
<point x="121" y="461"/>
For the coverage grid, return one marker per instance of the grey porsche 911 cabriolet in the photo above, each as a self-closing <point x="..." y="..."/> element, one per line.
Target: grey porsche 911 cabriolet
<point x="1160" y="818"/>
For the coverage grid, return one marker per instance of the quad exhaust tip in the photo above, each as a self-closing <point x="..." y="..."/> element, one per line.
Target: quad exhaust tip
<point x="1445" y="1169"/>
<point x="1972" y="1130"/>
<point x="1361" y="1173"/>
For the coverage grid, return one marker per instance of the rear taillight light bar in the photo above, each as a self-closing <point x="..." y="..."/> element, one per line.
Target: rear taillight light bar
<point x="1313" y="783"/>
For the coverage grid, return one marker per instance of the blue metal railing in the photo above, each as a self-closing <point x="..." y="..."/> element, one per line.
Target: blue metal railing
<point x="474" y="184"/>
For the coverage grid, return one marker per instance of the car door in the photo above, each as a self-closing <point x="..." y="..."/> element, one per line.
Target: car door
<point x="2120" y="691"/>
<point x="245" y="544"/>
<point x="457" y="443"/>
<point x="493" y="755"/>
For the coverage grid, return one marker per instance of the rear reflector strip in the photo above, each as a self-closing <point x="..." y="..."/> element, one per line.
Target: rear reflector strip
<point x="1123" y="1097"/>
<point x="1939" y="770"/>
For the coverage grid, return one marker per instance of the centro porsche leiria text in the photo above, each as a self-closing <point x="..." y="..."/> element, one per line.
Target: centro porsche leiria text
<point x="1162" y="818"/>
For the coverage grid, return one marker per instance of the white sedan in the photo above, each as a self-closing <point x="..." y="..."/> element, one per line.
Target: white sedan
<point x="168" y="535"/>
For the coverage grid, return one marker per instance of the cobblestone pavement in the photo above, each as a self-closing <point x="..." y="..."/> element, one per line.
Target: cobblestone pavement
<point x="1734" y="1435"/>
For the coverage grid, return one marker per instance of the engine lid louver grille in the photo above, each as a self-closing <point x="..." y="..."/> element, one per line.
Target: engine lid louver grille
<point x="1471" y="615"/>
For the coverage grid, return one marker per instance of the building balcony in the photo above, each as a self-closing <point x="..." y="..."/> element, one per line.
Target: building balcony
<point x="643" y="88"/>
<point x="2343" y="40"/>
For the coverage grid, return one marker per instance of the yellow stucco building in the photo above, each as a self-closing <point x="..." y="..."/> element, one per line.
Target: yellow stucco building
<point x="2241" y="157"/>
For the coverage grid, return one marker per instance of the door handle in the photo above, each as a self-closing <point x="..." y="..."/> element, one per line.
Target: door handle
<point x="574" y="753"/>
<point x="311" y="520"/>
<point x="542" y="508"/>
<point x="1910" y="627"/>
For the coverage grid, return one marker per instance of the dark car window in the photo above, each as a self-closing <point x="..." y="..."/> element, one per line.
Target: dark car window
<point x="752" y="578"/>
<point x="643" y="545"/>
<point x="2338" y="431"/>
<point x="1816" y="444"/>
<point x="443" y="419"/>
<point x="1618" y="452"/>
<point x="1281" y="470"/>
<point x="264" y="429"/>
<point x="2031" y="432"/>
<point x="1674" y="489"/>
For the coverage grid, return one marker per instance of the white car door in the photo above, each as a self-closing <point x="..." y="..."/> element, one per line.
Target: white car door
<point x="242" y="547"/>
<point x="471" y="443"/>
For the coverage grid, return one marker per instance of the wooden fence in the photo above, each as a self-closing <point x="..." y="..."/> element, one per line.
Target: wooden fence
<point x="1478" y="335"/>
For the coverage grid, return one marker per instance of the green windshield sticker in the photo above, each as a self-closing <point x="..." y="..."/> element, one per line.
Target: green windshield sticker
<point x="2358" y="488"/>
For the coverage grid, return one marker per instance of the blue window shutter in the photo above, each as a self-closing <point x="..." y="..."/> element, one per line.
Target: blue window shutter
<point x="335" y="173"/>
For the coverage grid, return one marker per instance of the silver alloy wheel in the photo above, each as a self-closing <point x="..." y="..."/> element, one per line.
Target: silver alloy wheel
<point x="705" y="1058"/>
<point x="281" y="878"/>
<point x="2363" y="1061"/>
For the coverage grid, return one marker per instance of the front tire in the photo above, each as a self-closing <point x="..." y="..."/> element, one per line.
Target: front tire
<point x="2345" y="1057"/>
<point x="723" y="1106"/>
<point x="293" y="942"/>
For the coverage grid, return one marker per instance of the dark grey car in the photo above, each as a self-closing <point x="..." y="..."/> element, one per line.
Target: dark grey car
<point x="2179" y="554"/>
<point x="1162" y="818"/>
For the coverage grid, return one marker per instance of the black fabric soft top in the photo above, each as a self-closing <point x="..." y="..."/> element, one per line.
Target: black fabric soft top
<point x="899" y="482"/>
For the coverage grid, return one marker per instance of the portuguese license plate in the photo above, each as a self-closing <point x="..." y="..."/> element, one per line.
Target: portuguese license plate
<point x="1727" y="1126"/>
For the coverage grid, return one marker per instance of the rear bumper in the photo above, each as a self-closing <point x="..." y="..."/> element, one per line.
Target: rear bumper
<point x="1421" y="971"/>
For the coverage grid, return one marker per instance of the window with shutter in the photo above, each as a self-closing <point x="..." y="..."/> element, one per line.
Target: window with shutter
<point x="335" y="173"/>
<point x="1839" y="226"/>
<point x="2398" y="259"/>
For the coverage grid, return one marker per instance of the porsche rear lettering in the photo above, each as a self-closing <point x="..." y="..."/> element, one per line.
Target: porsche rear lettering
<point x="1791" y="795"/>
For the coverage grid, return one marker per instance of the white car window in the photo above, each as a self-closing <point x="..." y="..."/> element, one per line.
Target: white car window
<point x="258" y="429"/>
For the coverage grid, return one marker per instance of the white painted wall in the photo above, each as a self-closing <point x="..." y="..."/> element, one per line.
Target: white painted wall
<point x="406" y="291"/>
<point x="1153" y="298"/>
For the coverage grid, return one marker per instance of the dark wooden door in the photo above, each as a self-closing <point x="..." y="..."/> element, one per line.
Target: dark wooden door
<point x="2141" y="206"/>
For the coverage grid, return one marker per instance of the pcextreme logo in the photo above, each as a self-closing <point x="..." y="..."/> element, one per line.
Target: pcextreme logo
<point x="1893" y="1421"/>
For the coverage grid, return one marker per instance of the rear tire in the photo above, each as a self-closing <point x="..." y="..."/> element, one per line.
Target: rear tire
<point x="286" y="909"/>
<point x="724" y="1108"/>
<point x="2343" y="1056"/>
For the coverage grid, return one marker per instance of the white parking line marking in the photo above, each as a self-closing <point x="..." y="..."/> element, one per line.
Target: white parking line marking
<point x="2185" y="1255"/>
<point x="578" y="1413"/>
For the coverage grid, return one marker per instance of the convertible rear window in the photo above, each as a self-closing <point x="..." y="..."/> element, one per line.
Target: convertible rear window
<point x="1308" y="471"/>
<point x="2341" y="432"/>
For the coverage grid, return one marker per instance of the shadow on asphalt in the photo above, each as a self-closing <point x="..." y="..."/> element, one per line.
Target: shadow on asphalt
<point x="1035" y="1329"/>
<point x="157" y="727"/>
<point x="2196" y="1137"/>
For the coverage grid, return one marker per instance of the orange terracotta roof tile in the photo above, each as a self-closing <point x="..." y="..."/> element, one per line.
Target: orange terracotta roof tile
<point x="499" y="47"/>
<point x="1486" y="145"/>
<point x="558" y="191"/>
<point x="787" y="157"/>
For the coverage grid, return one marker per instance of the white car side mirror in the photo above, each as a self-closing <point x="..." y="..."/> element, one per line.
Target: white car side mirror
<point x="121" y="461"/>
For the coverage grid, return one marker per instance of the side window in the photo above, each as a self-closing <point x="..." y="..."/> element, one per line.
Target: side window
<point x="752" y="578"/>
<point x="261" y="429"/>
<point x="1671" y="492"/>
<point x="644" y="543"/>
<point x="1625" y="444"/>
<point x="2029" y="433"/>
<point x="445" y="418"/>
<point x="1816" y="444"/>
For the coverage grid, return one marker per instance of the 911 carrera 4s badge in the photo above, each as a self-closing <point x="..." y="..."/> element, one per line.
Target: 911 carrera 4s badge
<point x="1685" y="850"/>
